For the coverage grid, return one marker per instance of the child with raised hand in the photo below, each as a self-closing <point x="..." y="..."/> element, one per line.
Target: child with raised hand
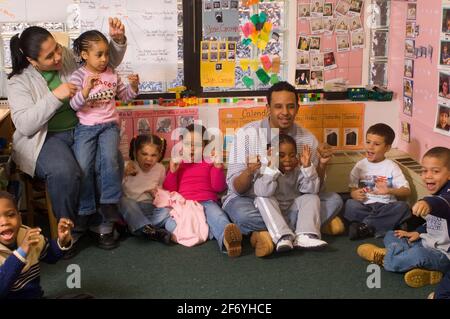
<point x="423" y="254"/>
<point x="201" y="179"/>
<point x="375" y="184"/>
<point x="143" y="175"/>
<point x="287" y="198"/>
<point x="98" y="131"/>
<point x="21" y="250"/>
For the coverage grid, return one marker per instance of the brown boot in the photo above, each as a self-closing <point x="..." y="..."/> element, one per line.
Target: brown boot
<point x="232" y="239"/>
<point x="372" y="253"/>
<point x="262" y="242"/>
<point x="334" y="227"/>
<point x="417" y="278"/>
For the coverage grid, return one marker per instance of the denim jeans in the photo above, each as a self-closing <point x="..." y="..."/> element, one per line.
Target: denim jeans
<point x="402" y="256"/>
<point x="104" y="139"/>
<point x="443" y="290"/>
<point x="139" y="214"/>
<point x="242" y="211"/>
<point x="383" y="217"/>
<point x="57" y="165"/>
<point x="216" y="219"/>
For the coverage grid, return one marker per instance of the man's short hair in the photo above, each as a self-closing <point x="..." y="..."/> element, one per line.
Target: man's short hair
<point x="383" y="130"/>
<point x="281" y="86"/>
<point x="441" y="153"/>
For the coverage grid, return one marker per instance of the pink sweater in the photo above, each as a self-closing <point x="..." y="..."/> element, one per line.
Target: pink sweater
<point x="196" y="181"/>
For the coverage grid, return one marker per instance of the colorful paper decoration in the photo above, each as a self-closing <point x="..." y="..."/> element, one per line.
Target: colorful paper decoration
<point x="265" y="60"/>
<point x="248" y="82"/>
<point x="276" y="64"/>
<point x="263" y="76"/>
<point x="274" y="79"/>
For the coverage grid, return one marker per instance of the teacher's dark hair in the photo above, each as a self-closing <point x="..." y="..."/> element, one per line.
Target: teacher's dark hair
<point x="28" y="45"/>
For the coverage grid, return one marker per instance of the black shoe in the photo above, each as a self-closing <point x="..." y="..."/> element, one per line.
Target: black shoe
<point x="157" y="234"/>
<point x="360" y="230"/>
<point x="106" y="241"/>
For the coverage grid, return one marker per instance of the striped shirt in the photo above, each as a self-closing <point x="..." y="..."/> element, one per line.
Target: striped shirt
<point x="98" y="111"/>
<point x="252" y="140"/>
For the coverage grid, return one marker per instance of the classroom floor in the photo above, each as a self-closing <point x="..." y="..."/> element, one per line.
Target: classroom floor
<point x="144" y="269"/>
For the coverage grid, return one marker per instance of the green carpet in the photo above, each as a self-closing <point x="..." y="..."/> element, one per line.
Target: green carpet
<point x="143" y="269"/>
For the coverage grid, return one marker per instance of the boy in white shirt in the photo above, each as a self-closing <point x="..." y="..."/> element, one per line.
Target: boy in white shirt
<point x="376" y="183"/>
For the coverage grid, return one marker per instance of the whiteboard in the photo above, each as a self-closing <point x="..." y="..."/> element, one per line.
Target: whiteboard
<point x="34" y="10"/>
<point x="151" y="30"/>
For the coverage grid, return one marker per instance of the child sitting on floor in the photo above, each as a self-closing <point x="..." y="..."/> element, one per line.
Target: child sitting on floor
<point x="287" y="198"/>
<point x="375" y="184"/>
<point x="425" y="253"/>
<point x="21" y="250"/>
<point x="200" y="180"/>
<point x="143" y="175"/>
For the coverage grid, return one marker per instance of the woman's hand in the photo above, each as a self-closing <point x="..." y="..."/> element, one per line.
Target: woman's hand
<point x="133" y="79"/>
<point x="65" y="91"/>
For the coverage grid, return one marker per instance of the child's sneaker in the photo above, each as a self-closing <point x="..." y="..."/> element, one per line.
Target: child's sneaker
<point x="305" y="241"/>
<point x="334" y="227"/>
<point x="417" y="278"/>
<point x="372" y="253"/>
<point x="358" y="230"/>
<point x="262" y="242"/>
<point x="284" y="244"/>
<point x="232" y="239"/>
<point x="156" y="234"/>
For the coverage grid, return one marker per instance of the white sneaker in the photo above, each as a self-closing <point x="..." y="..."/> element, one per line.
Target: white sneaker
<point x="306" y="242"/>
<point x="284" y="244"/>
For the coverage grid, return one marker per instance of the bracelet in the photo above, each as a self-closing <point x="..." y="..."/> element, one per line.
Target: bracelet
<point x="64" y="248"/>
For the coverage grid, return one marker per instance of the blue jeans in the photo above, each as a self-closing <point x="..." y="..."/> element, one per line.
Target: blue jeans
<point x="443" y="290"/>
<point x="383" y="217"/>
<point x="139" y="214"/>
<point x="242" y="211"/>
<point x="105" y="138"/>
<point x="402" y="256"/>
<point x="57" y="165"/>
<point x="217" y="219"/>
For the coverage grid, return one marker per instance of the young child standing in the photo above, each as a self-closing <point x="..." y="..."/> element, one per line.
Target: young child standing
<point x="21" y="250"/>
<point x="425" y="253"/>
<point x="375" y="184"/>
<point x="140" y="182"/>
<point x="287" y="198"/>
<point x="98" y="131"/>
<point x="199" y="180"/>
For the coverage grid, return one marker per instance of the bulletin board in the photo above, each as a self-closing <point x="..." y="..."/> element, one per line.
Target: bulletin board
<point x="330" y="42"/>
<point x="339" y="125"/>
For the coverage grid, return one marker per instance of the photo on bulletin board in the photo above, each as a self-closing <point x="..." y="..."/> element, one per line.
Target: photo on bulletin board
<point x="329" y="24"/>
<point x="351" y="136"/>
<point x="409" y="48"/>
<point x="342" y="7"/>
<point x="407" y="105"/>
<point x="444" y="59"/>
<point x="444" y="87"/>
<point x="143" y="126"/>
<point x="302" y="59"/>
<point x="304" y="10"/>
<point x="406" y="132"/>
<point x="317" y="8"/>
<point x="303" y="43"/>
<point x="302" y="78"/>
<point x="409" y="68"/>
<point x="316" y="60"/>
<point x="446" y="20"/>
<point x="328" y="9"/>
<point x="316" y="79"/>
<point x="331" y="136"/>
<point x="411" y="11"/>
<point x="408" y="87"/>
<point x="410" y="29"/>
<point x="314" y="44"/>
<point x="355" y="24"/>
<point x="341" y="25"/>
<point x="356" y="7"/>
<point x="343" y="42"/>
<point x="164" y="125"/>
<point x="329" y="61"/>
<point x="184" y="121"/>
<point x="358" y="40"/>
<point x="316" y="25"/>
<point x="443" y="120"/>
